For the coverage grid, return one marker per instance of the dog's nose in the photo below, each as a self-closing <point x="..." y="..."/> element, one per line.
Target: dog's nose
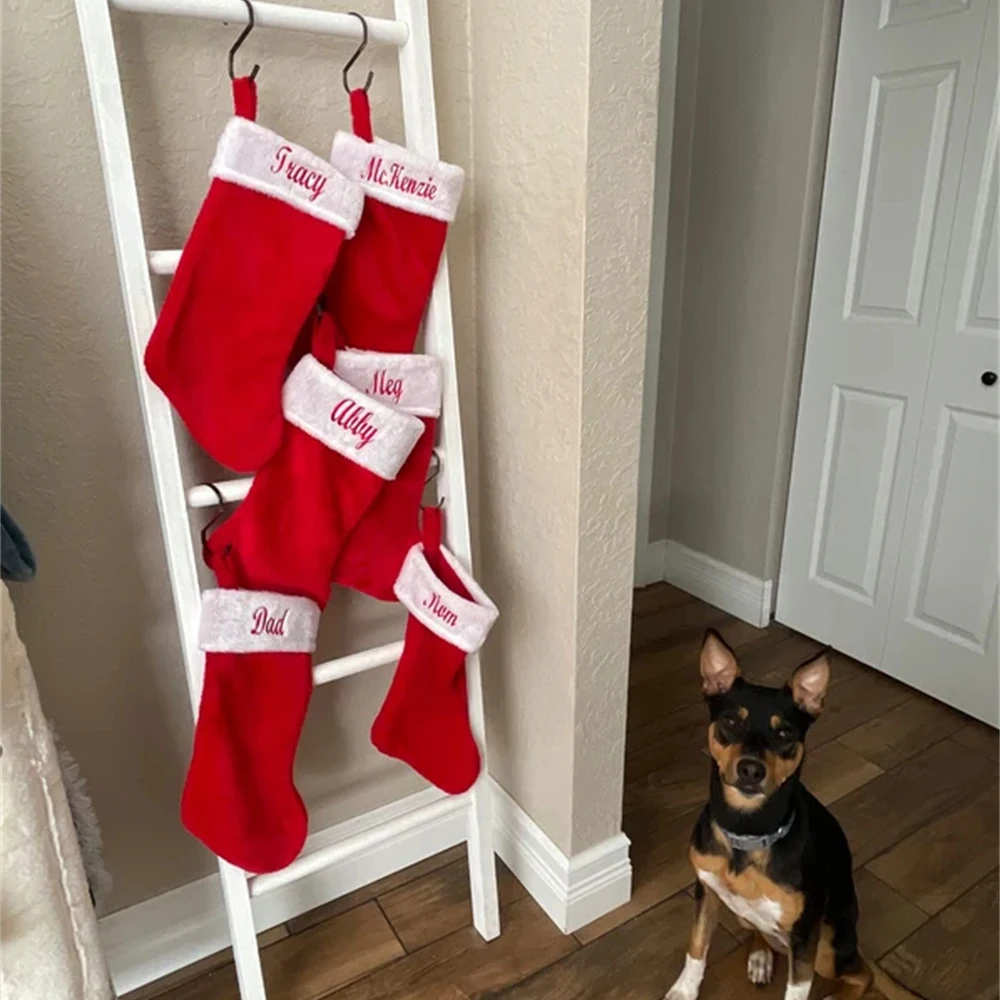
<point x="750" y="770"/>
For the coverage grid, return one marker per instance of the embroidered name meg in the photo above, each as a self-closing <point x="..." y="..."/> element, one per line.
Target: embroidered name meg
<point x="298" y="173"/>
<point x="392" y="175"/>
<point x="385" y="387"/>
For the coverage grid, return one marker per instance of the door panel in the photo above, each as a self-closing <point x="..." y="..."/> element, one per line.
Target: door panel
<point x="903" y="96"/>
<point x="942" y="630"/>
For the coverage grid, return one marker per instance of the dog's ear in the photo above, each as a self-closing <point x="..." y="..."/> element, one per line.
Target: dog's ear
<point x="809" y="683"/>
<point x="719" y="668"/>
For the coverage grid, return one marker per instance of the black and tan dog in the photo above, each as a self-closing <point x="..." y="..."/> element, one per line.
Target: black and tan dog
<point x="765" y="847"/>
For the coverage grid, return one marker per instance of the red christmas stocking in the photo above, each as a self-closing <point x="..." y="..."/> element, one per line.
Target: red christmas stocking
<point x="260" y="252"/>
<point x="339" y="449"/>
<point x="424" y="720"/>
<point x="380" y="286"/>
<point x="373" y="554"/>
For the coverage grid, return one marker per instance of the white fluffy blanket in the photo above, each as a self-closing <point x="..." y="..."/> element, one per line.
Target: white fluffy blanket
<point x="48" y="931"/>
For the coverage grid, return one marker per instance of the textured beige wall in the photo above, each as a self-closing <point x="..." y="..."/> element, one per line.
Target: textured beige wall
<point x="763" y="80"/>
<point x="564" y="136"/>
<point x="98" y="620"/>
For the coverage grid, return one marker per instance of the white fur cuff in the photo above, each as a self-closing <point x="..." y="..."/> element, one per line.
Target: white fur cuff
<point x="461" y="622"/>
<point x="371" y="434"/>
<point x="257" y="158"/>
<point x="257" y="621"/>
<point x="409" y="382"/>
<point x="398" y="176"/>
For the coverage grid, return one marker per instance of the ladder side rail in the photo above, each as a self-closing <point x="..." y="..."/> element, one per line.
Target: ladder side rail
<point x="420" y="120"/>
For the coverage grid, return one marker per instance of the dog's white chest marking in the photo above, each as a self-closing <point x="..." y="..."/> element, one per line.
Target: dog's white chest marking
<point x="762" y="913"/>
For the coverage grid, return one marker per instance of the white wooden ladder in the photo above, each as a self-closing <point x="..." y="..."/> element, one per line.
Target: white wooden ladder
<point x="409" y="33"/>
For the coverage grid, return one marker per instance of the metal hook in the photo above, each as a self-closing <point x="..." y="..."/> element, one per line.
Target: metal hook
<point x="239" y="41"/>
<point x="436" y="465"/>
<point x="220" y="510"/>
<point x="361" y="48"/>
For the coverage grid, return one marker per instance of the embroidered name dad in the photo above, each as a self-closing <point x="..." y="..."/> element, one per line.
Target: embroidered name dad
<point x="394" y="175"/>
<point x="439" y="609"/>
<point x="385" y="387"/>
<point x="356" y="420"/>
<point x="265" y="623"/>
<point x="298" y="173"/>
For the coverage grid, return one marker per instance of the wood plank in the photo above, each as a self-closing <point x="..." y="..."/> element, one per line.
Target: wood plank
<point x="833" y="771"/>
<point x="654" y="746"/>
<point x="369" y="892"/>
<point x="903" y="731"/>
<point x="866" y="695"/>
<point x="638" y="961"/>
<point x="202" y="967"/>
<point x="675" y="624"/>
<point x="886" y="917"/>
<point x="893" y="805"/>
<point x="660" y="869"/>
<point x="438" y="903"/>
<point x="671" y="791"/>
<point x="656" y="597"/>
<point x="311" y="964"/>
<point x="467" y="965"/>
<point x="675" y="655"/>
<point x="954" y="955"/>
<point x="981" y="738"/>
<point x="936" y="864"/>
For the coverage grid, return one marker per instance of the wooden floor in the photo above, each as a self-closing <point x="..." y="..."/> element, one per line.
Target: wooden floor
<point x="913" y="783"/>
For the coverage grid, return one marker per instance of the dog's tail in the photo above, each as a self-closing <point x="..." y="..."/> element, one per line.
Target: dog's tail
<point x="888" y="986"/>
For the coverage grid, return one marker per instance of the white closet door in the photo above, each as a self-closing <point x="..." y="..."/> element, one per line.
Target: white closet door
<point x="942" y="633"/>
<point x="906" y="76"/>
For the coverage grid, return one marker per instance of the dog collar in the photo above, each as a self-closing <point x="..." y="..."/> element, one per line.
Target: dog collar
<point x="746" y="842"/>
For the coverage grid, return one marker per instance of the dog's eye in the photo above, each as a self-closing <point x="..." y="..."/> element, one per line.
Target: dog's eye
<point x="786" y="736"/>
<point x="729" y="726"/>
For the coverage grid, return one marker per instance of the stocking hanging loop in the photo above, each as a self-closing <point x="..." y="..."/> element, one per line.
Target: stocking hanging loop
<point x="239" y="41"/>
<point x="357" y="52"/>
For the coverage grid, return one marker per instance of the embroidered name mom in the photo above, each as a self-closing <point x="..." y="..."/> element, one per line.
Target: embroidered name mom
<point x="356" y="420"/>
<point x="394" y="176"/>
<point x="311" y="180"/>
<point x="265" y="623"/>
<point x="439" y="609"/>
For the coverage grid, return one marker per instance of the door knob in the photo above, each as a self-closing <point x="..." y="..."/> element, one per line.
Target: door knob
<point x="988" y="378"/>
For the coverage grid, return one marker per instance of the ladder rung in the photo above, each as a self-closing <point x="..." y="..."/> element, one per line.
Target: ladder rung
<point x="233" y="490"/>
<point x="272" y="15"/>
<point x="340" y="851"/>
<point x="356" y="663"/>
<point x="163" y="261"/>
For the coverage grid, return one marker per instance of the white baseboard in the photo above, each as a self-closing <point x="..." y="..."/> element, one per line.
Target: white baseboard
<point x="573" y="891"/>
<point x="649" y="563"/>
<point x="170" y="931"/>
<point x="730" y="589"/>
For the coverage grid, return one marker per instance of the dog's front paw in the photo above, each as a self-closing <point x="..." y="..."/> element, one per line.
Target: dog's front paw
<point x="760" y="966"/>
<point x="689" y="981"/>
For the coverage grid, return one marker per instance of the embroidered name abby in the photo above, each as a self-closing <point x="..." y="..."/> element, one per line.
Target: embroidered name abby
<point x="439" y="609"/>
<point x="267" y="624"/>
<point x="355" y="420"/>
<point x="384" y="386"/>
<point x="392" y="175"/>
<point x="298" y="173"/>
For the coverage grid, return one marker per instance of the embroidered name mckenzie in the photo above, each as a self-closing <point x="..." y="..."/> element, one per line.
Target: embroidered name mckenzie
<point x="398" y="176"/>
